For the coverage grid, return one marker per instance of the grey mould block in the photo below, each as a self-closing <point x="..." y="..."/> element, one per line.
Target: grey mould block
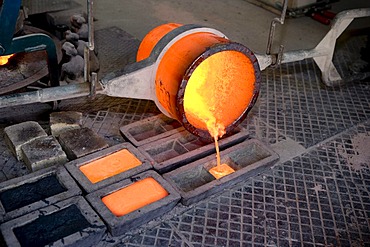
<point x="182" y="148"/>
<point x="194" y="182"/>
<point x="71" y="222"/>
<point x="151" y="129"/>
<point x="80" y="142"/>
<point x="74" y="167"/>
<point x="22" y="133"/>
<point x="43" y="152"/>
<point x="119" y="225"/>
<point x="22" y="195"/>
<point x="65" y="120"/>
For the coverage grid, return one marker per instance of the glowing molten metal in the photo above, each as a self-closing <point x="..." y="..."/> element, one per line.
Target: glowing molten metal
<point x="221" y="171"/>
<point x="204" y="80"/>
<point x="217" y="93"/>
<point x="110" y="165"/>
<point x="5" y="59"/>
<point x="134" y="196"/>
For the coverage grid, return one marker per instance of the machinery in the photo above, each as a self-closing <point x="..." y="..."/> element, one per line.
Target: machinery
<point x="29" y="43"/>
<point x="171" y="55"/>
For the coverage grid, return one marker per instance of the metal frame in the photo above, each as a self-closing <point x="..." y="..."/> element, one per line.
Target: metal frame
<point x="27" y="43"/>
<point x="323" y="53"/>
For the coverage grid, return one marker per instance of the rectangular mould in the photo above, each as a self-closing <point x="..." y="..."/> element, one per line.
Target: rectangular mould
<point x="71" y="222"/>
<point x="120" y="225"/>
<point x="39" y="189"/>
<point x="170" y="153"/>
<point x="74" y="167"/>
<point x="151" y="129"/>
<point x="194" y="182"/>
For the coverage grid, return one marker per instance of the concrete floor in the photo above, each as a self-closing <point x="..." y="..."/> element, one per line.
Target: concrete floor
<point x="240" y="20"/>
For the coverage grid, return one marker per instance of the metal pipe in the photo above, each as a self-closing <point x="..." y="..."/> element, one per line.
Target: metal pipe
<point x="90" y="24"/>
<point x="298" y="55"/>
<point x="273" y="26"/>
<point x="46" y="95"/>
<point x="90" y="48"/>
<point x="86" y="64"/>
<point x="94" y="81"/>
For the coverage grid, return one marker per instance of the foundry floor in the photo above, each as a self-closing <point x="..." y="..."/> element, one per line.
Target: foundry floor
<point x="318" y="194"/>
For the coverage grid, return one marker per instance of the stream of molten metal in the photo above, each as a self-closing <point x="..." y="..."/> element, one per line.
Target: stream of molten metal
<point x="216" y="94"/>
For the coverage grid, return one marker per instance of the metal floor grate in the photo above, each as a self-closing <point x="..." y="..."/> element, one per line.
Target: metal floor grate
<point x="116" y="48"/>
<point x="316" y="199"/>
<point x="262" y="131"/>
<point x="160" y="236"/>
<point x="319" y="198"/>
<point x="294" y="101"/>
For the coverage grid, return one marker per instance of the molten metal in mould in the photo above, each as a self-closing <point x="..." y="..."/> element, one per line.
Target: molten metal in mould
<point x="110" y="165"/>
<point x="134" y="196"/>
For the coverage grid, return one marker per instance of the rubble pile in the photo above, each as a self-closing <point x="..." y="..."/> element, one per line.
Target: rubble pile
<point x="72" y="68"/>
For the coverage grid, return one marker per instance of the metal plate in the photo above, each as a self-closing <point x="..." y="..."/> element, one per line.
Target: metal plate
<point x="116" y="49"/>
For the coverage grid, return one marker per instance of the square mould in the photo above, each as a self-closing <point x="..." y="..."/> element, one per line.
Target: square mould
<point x="194" y="182"/>
<point x="151" y="129"/>
<point x="71" y="222"/>
<point x="121" y="224"/>
<point x="22" y="195"/>
<point x="120" y="170"/>
<point x="172" y="152"/>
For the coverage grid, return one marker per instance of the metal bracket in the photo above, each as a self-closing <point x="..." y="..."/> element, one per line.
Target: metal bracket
<point x="89" y="77"/>
<point x="322" y="54"/>
<point x="276" y="58"/>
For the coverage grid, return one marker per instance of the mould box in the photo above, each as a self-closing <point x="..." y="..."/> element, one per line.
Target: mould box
<point x="194" y="182"/>
<point x="170" y="153"/>
<point x="151" y="129"/>
<point x="24" y="194"/>
<point x="132" y="202"/>
<point x="71" y="222"/>
<point x="108" y="166"/>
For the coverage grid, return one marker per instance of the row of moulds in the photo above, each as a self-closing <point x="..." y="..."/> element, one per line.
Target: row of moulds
<point x="124" y="186"/>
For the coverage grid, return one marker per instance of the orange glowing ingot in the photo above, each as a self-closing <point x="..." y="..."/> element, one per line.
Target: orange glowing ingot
<point x="221" y="171"/>
<point x="110" y="165"/>
<point x="134" y="196"/>
<point x="5" y="59"/>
